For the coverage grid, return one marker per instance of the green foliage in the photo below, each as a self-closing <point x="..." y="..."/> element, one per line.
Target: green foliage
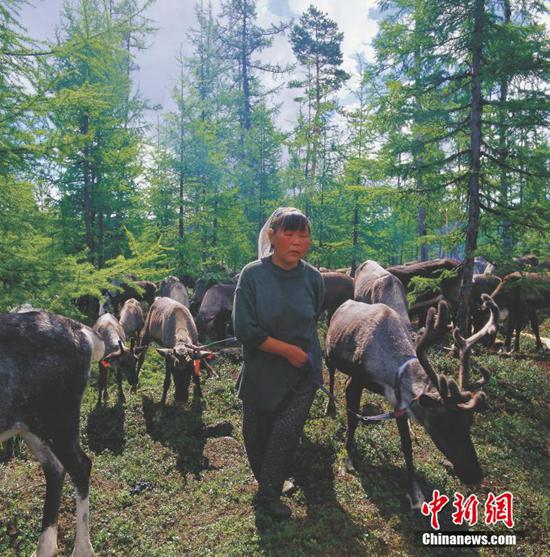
<point x="176" y="481"/>
<point x="86" y="192"/>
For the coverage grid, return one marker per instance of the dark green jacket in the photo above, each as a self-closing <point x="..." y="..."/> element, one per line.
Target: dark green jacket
<point x="270" y="301"/>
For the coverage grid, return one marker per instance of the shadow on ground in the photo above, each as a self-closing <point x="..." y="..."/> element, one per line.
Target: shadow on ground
<point x="181" y="428"/>
<point x="327" y="529"/>
<point x="105" y="429"/>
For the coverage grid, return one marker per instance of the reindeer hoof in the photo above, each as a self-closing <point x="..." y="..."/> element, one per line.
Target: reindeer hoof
<point x="83" y="552"/>
<point x="350" y="468"/>
<point x="330" y="410"/>
<point x="415" y="498"/>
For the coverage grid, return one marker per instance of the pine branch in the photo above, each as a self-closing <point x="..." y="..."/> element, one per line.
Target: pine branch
<point x="513" y="168"/>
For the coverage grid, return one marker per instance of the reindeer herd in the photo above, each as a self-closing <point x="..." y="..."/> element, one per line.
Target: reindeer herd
<point x="45" y="362"/>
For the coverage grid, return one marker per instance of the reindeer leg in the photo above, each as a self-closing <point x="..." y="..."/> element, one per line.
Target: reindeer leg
<point x="101" y="385"/>
<point x="509" y="331"/>
<point x="353" y="399"/>
<point x="331" y="408"/>
<point x="166" y="386"/>
<point x="54" y="474"/>
<point x="79" y="466"/>
<point x="141" y="359"/>
<point x="414" y="493"/>
<point x="197" y="385"/>
<point x="210" y="370"/>
<point x="519" y="326"/>
<point x="535" y="326"/>
<point x="121" y="397"/>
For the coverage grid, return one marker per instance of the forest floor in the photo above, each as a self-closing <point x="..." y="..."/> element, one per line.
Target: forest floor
<point x="175" y="482"/>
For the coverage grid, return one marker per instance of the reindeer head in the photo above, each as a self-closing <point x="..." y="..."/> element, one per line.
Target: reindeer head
<point x="126" y="360"/>
<point x="446" y="411"/>
<point x="181" y="361"/>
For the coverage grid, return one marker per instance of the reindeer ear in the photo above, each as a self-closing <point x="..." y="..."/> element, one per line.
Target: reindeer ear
<point x="164" y="352"/>
<point x="429" y="401"/>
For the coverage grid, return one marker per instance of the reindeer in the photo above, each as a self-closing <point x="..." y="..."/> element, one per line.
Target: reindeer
<point x="338" y="289"/>
<point x="373" y="285"/>
<point x="125" y="361"/>
<point x="131" y="319"/>
<point x="426" y="269"/>
<point x="521" y="294"/>
<point x="171" y="325"/>
<point x="45" y="364"/>
<point x="171" y="287"/>
<point x="142" y="290"/>
<point x="371" y="345"/>
<point x="215" y="310"/>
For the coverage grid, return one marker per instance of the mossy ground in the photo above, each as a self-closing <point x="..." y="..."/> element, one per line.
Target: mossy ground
<point x="176" y="482"/>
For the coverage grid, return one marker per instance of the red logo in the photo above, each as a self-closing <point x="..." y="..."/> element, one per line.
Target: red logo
<point x="466" y="509"/>
<point x="498" y="508"/>
<point x="433" y="508"/>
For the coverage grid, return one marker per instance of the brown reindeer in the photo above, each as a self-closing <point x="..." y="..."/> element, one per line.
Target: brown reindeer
<point x="371" y="345"/>
<point x="520" y="295"/>
<point x="214" y="314"/>
<point x="338" y="289"/>
<point x="141" y="290"/>
<point x="170" y="324"/>
<point x="426" y="269"/>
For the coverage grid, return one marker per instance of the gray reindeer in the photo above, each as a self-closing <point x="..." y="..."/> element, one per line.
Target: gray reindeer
<point x="371" y="345"/>
<point x="45" y="364"/>
<point x="170" y="324"/>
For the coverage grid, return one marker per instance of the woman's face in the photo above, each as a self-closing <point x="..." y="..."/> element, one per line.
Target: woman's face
<point x="289" y="246"/>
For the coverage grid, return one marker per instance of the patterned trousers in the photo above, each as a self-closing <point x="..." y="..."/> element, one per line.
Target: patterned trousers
<point x="271" y="439"/>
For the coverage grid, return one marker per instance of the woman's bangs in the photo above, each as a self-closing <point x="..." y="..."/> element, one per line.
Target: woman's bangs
<point x="292" y="221"/>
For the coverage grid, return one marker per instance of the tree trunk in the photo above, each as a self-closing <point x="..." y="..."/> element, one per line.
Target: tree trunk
<point x="418" y="159"/>
<point x="475" y="166"/>
<point x="181" y="158"/>
<point x="244" y="70"/>
<point x="506" y="238"/>
<point x="87" y="187"/>
<point x="355" y="233"/>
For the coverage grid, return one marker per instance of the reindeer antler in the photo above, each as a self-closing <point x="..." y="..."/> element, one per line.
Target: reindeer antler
<point x="450" y="392"/>
<point x="435" y="329"/>
<point x="453" y="395"/>
<point x="465" y="345"/>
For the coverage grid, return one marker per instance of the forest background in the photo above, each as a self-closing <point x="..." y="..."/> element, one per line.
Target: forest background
<point x="435" y="145"/>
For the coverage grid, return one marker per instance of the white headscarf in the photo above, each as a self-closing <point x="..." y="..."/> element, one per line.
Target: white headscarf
<point x="264" y="245"/>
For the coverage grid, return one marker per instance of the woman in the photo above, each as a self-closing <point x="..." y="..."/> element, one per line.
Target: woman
<point x="277" y="302"/>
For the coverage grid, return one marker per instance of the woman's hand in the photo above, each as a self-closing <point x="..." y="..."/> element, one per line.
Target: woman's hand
<point x="294" y="354"/>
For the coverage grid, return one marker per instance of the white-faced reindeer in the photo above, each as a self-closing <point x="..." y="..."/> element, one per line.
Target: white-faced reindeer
<point x="45" y="364"/>
<point x="371" y="345"/>
<point x="171" y="325"/>
<point x="125" y="361"/>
